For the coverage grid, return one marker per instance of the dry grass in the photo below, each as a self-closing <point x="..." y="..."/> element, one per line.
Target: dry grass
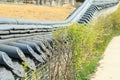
<point x="35" y="12"/>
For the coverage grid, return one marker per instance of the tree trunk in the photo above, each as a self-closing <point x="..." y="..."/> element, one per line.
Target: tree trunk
<point x="58" y="2"/>
<point x="37" y="2"/>
<point x="72" y="2"/>
<point x="62" y="2"/>
<point x="45" y="2"/>
<point x="52" y="3"/>
<point x="40" y="2"/>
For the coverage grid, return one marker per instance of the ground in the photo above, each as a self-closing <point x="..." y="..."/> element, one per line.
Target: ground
<point x="35" y="12"/>
<point x="109" y="66"/>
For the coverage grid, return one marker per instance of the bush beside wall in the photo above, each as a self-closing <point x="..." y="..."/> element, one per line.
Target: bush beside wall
<point x="87" y="42"/>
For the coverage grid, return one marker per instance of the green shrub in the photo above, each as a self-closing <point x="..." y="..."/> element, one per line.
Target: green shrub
<point x="87" y="42"/>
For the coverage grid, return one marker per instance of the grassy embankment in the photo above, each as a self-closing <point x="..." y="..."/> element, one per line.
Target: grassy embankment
<point x="88" y="42"/>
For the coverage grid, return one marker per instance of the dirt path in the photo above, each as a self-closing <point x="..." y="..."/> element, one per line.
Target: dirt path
<point x="109" y="68"/>
<point x="43" y="13"/>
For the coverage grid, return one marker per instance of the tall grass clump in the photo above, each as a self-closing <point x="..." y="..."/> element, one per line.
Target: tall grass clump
<point x="86" y="43"/>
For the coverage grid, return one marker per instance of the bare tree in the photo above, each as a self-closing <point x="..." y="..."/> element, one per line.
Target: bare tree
<point x="45" y="2"/>
<point x="72" y="2"/>
<point x="40" y="2"/>
<point x="58" y="2"/>
<point x="52" y="2"/>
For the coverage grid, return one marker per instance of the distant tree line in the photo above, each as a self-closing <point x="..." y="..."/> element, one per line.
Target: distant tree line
<point x="45" y="2"/>
<point x="58" y="2"/>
